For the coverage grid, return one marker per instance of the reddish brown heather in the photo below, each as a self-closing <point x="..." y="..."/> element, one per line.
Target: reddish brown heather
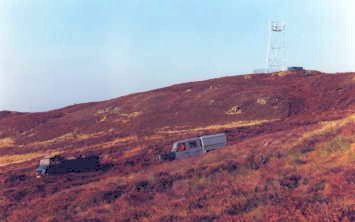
<point x="290" y="155"/>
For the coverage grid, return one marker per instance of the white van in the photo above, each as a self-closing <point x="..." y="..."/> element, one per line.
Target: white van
<point x="195" y="146"/>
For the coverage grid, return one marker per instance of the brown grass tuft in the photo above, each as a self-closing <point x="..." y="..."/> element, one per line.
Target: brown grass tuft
<point x="7" y="141"/>
<point x="261" y="101"/>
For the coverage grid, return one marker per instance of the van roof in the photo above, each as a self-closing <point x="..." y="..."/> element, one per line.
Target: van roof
<point x="186" y="140"/>
<point x="213" y="135"/>
<point x="197" y="138"/>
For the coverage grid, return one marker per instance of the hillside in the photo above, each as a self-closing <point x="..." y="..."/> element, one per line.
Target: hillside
<point x="290" y="153"/>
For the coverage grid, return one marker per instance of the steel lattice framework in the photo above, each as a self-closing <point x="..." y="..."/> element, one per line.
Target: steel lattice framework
<point x="276" y="52"/>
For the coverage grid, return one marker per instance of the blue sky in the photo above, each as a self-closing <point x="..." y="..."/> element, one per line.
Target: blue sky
<point x="57" y="53"/>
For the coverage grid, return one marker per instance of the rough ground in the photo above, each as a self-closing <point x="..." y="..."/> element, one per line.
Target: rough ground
<point x="291" y="154"/>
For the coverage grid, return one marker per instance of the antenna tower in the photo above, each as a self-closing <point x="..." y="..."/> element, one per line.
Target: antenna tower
<point x="276" y="52"/>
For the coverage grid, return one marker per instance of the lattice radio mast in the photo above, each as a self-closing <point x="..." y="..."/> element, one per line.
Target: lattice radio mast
<point x="276" y="52"/>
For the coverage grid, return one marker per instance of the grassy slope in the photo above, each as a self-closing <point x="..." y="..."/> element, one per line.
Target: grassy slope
<point x="291" y="154"/>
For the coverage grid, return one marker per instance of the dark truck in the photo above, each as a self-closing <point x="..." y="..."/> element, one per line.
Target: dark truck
<point x="195" y="146"/>
<point x="59" y="165"/>
<point x="295" y="68"/>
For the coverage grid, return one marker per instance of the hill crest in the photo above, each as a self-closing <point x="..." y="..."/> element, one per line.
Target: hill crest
<point x="291" y="140"/>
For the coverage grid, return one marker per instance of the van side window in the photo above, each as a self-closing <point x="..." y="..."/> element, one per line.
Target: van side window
<point x="181" y="147"/>
<point x="192" y="144"/>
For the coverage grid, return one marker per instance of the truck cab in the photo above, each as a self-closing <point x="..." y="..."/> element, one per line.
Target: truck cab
<point x="48" y="164"/>
<point x="43" y="167"/>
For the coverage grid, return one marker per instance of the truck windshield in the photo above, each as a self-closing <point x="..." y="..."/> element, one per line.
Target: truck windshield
<point x="41" y="168"/>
